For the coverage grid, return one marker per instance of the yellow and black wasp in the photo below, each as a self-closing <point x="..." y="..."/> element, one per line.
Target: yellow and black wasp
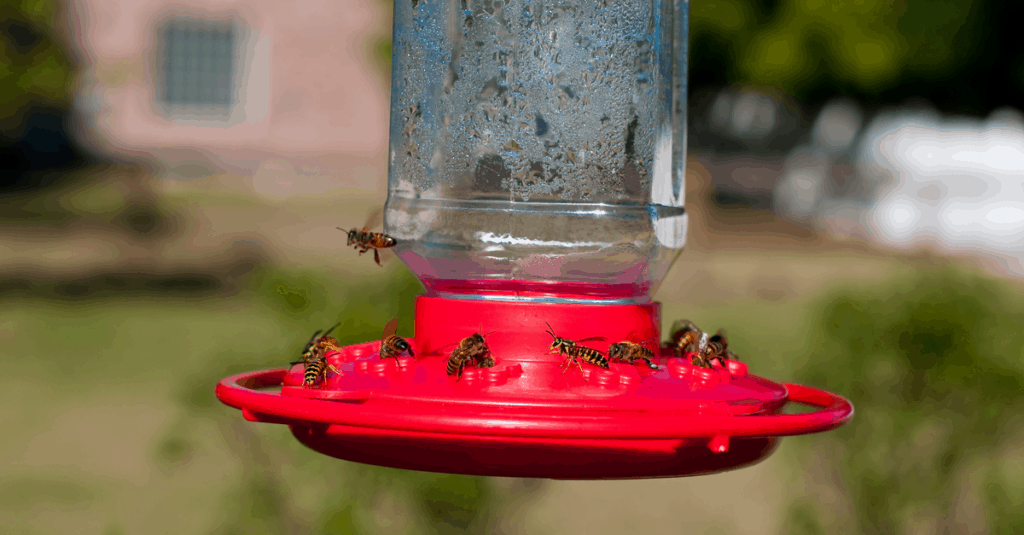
<point x="314" y="356"/>
<point x="631" y="351"/>
<point x="392" y="345"/>
<point x="574" y="352"/>
<point x="364" y="240"/>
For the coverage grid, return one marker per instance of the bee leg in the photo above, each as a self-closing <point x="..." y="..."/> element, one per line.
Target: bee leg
<point x="333" y="369"/>
<point x="376" y="257"/>
<point x="580" y="365"/>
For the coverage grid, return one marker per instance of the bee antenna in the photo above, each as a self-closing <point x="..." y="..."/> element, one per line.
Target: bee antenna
<point x="328" y="331"/>
<point x="550" y="330"/>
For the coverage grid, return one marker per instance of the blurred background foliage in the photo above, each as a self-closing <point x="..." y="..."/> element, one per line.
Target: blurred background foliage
<point x="961" y="55"/>
<point x="933" y="365"/>
<point x="36" y="73"/>
<point x="34" y="66"/>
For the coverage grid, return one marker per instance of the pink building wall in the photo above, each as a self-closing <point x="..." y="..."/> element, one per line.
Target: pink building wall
<point x="308" y="88"/>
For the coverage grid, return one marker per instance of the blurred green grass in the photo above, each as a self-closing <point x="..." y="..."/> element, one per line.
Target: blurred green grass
<point x="113" y="426"/>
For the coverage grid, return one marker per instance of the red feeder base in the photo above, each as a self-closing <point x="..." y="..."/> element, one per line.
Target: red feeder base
<point x="527" y="416"/>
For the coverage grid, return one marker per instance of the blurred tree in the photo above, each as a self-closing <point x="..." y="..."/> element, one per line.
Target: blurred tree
<point x="933" y="369"/>
<point x="961" y="55"/>
<point x="35" y="75"/>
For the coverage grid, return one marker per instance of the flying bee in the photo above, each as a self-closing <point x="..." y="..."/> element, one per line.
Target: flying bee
<point x="314" y="356"/>
<point x="471" y="349"/>
<point x="364" y="240"/>
<point x="574" y="352"/>
<point x="392" y="345"/>
<point x="630" y="351"/>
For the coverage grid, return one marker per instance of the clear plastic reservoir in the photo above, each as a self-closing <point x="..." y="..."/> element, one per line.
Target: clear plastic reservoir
<point x="537" y="148"/>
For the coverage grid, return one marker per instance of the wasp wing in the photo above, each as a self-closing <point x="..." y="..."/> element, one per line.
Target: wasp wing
<point x="328" y="331"/>
<point x="374" y="219"/>
<point x="650" y="343"/>
<point x="720" y="337"/>
<point x="309" y="345"/>
<point x="313" y="338"/>
<point x="684" y="324"/>
<point x="592" y="339"/>
<point x="440" y="350"/>
<point x="390" y="329"/>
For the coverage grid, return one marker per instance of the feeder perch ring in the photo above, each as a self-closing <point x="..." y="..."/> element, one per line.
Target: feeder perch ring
<point x="525" y="417"/>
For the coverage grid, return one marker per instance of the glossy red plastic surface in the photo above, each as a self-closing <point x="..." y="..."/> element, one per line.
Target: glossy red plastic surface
<point x="526" y="417"/>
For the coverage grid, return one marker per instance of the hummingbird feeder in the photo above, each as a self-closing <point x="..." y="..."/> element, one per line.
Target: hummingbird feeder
<point x="536" y="168"/>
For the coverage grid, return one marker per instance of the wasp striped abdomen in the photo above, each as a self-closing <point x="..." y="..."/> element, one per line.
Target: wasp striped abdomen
<point x="575" y="352"/>
<point x="314" y="357"/>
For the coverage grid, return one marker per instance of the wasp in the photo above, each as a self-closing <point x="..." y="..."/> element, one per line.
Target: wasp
<point x="718" y="349"/>
<point x="472" y="349"/>
<point x="364" y="240"/>
<point x="314" y="356"/>
<point x="392" y="345"/>
<point x="631" y="351"/>
<point x="574" y="352"/>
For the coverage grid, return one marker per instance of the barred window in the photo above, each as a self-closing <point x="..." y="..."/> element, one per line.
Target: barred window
<point x="199" y="62"/>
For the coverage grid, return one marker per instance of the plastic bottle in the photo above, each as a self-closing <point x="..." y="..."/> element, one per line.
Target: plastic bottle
<point x="537" y="149"/>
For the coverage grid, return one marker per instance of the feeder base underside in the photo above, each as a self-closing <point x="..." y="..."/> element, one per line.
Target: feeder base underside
<point x="532" y="457"/>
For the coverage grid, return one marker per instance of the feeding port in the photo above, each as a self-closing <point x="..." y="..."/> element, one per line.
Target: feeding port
<point x="536" y="171"/>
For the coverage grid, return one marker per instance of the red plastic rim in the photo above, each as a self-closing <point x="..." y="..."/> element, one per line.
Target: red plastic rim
<point x="528" y="416"/>
<point x="248" y="392"/>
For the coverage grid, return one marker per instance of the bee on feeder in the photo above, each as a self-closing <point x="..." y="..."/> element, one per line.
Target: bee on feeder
<point x="364" y="240"/>
<point x="314" y="356"/>
<point x="684" y="335"/>
<point x="392" y="345"/>
<point x="718" y="349"/>
<point x="472" y="349"/>
<point x="316" y="341"/>
<point x="631" y="351"/>
<point x="575" y="353"/>
<point x="687" y="337"/>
